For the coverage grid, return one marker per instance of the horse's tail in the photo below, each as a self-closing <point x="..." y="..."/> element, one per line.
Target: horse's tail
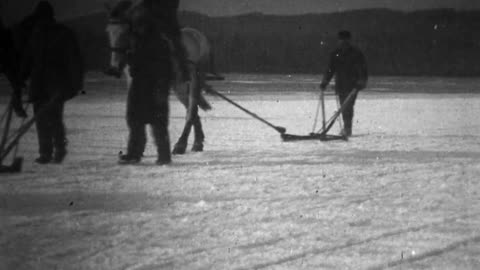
<point x="211" y="63"/>
<point x="203" y="104"/>
<point x="212" y="73"/>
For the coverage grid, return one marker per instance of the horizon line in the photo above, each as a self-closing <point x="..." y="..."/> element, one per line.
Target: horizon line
<point x="62" y="18"/>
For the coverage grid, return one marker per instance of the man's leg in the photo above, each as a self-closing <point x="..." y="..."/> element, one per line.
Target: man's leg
<point x="44" y="132"/>
<point x="136" y="141"/>
<point x="348" y="113"/>
<point x="58" y="133"/>
<point x="160" y="124"/>
<point x="136" y="121"/>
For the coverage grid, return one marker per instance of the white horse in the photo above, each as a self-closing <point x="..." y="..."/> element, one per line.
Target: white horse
<point x="198" y="53"/>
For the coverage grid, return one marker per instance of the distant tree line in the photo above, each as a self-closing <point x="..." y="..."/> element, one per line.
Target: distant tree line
<point x="440" y="42"/>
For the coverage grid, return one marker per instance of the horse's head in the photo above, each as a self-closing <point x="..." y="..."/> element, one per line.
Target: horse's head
<point x="118" y="30"/>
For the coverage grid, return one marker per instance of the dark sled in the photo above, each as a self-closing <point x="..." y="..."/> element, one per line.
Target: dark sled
<point x="314" y="136"/>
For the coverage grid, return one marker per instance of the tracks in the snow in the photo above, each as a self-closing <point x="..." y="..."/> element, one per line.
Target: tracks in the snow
<point x="349" y="244"/>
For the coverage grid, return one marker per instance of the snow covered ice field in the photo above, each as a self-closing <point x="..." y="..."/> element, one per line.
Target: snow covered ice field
<point x="403" y="193"/>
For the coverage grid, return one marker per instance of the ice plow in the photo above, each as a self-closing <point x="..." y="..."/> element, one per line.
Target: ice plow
<point x="322" y="134"/>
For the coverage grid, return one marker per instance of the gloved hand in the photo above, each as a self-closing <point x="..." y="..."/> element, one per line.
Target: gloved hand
<point x="361" y="84"/>
<point x="18" y="108"/>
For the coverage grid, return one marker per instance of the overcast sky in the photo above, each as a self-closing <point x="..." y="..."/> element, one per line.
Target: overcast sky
<point x="13" y="9"/>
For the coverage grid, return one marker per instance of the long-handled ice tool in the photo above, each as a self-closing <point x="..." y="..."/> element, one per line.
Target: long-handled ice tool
<point x="279" y="129"/>
<point x="10" y="141"/>
<point x="6" y="121"/>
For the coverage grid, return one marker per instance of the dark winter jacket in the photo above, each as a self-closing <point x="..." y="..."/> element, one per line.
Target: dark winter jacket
<point x="349" y="68"/>
<point x="151" y="70"/>
<point x="165" y="13"/>
<point x="53" y="62"/>
<point x="150" y="55"/>
<point x="7" y="53"/>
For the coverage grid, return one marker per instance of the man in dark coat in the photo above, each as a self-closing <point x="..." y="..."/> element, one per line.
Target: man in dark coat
<point x="348" y="65"/>
<point x="166" y="11"/>
<point x="151" y="71"/>
<point x="54" y="64"/>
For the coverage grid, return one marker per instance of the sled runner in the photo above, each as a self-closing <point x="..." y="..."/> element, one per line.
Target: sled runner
<point x="312" y="136"/>
<point x="326" y="125"/>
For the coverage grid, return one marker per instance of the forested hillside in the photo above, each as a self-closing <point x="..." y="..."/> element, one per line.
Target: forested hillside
<point x="435" y="42"/>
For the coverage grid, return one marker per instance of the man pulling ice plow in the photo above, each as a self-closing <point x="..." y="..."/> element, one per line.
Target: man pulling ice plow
<point x="347" y="63"/>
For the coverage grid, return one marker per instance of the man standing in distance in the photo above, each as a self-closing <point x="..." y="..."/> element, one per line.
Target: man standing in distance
<point x="348" y="65"/>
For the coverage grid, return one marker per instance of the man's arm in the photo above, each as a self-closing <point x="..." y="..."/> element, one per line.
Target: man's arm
<point x="26" y="58"/>
<point x="328" y="75"/>
<point x="11" y="70"/>
<point x="75" y="65"/>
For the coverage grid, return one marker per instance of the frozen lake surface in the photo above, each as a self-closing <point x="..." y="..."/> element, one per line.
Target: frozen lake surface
<point x="403" y="193"/>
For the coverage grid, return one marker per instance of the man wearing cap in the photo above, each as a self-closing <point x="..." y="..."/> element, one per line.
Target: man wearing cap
<point x="348" y="65"/>
<point x="53" y="62"/>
